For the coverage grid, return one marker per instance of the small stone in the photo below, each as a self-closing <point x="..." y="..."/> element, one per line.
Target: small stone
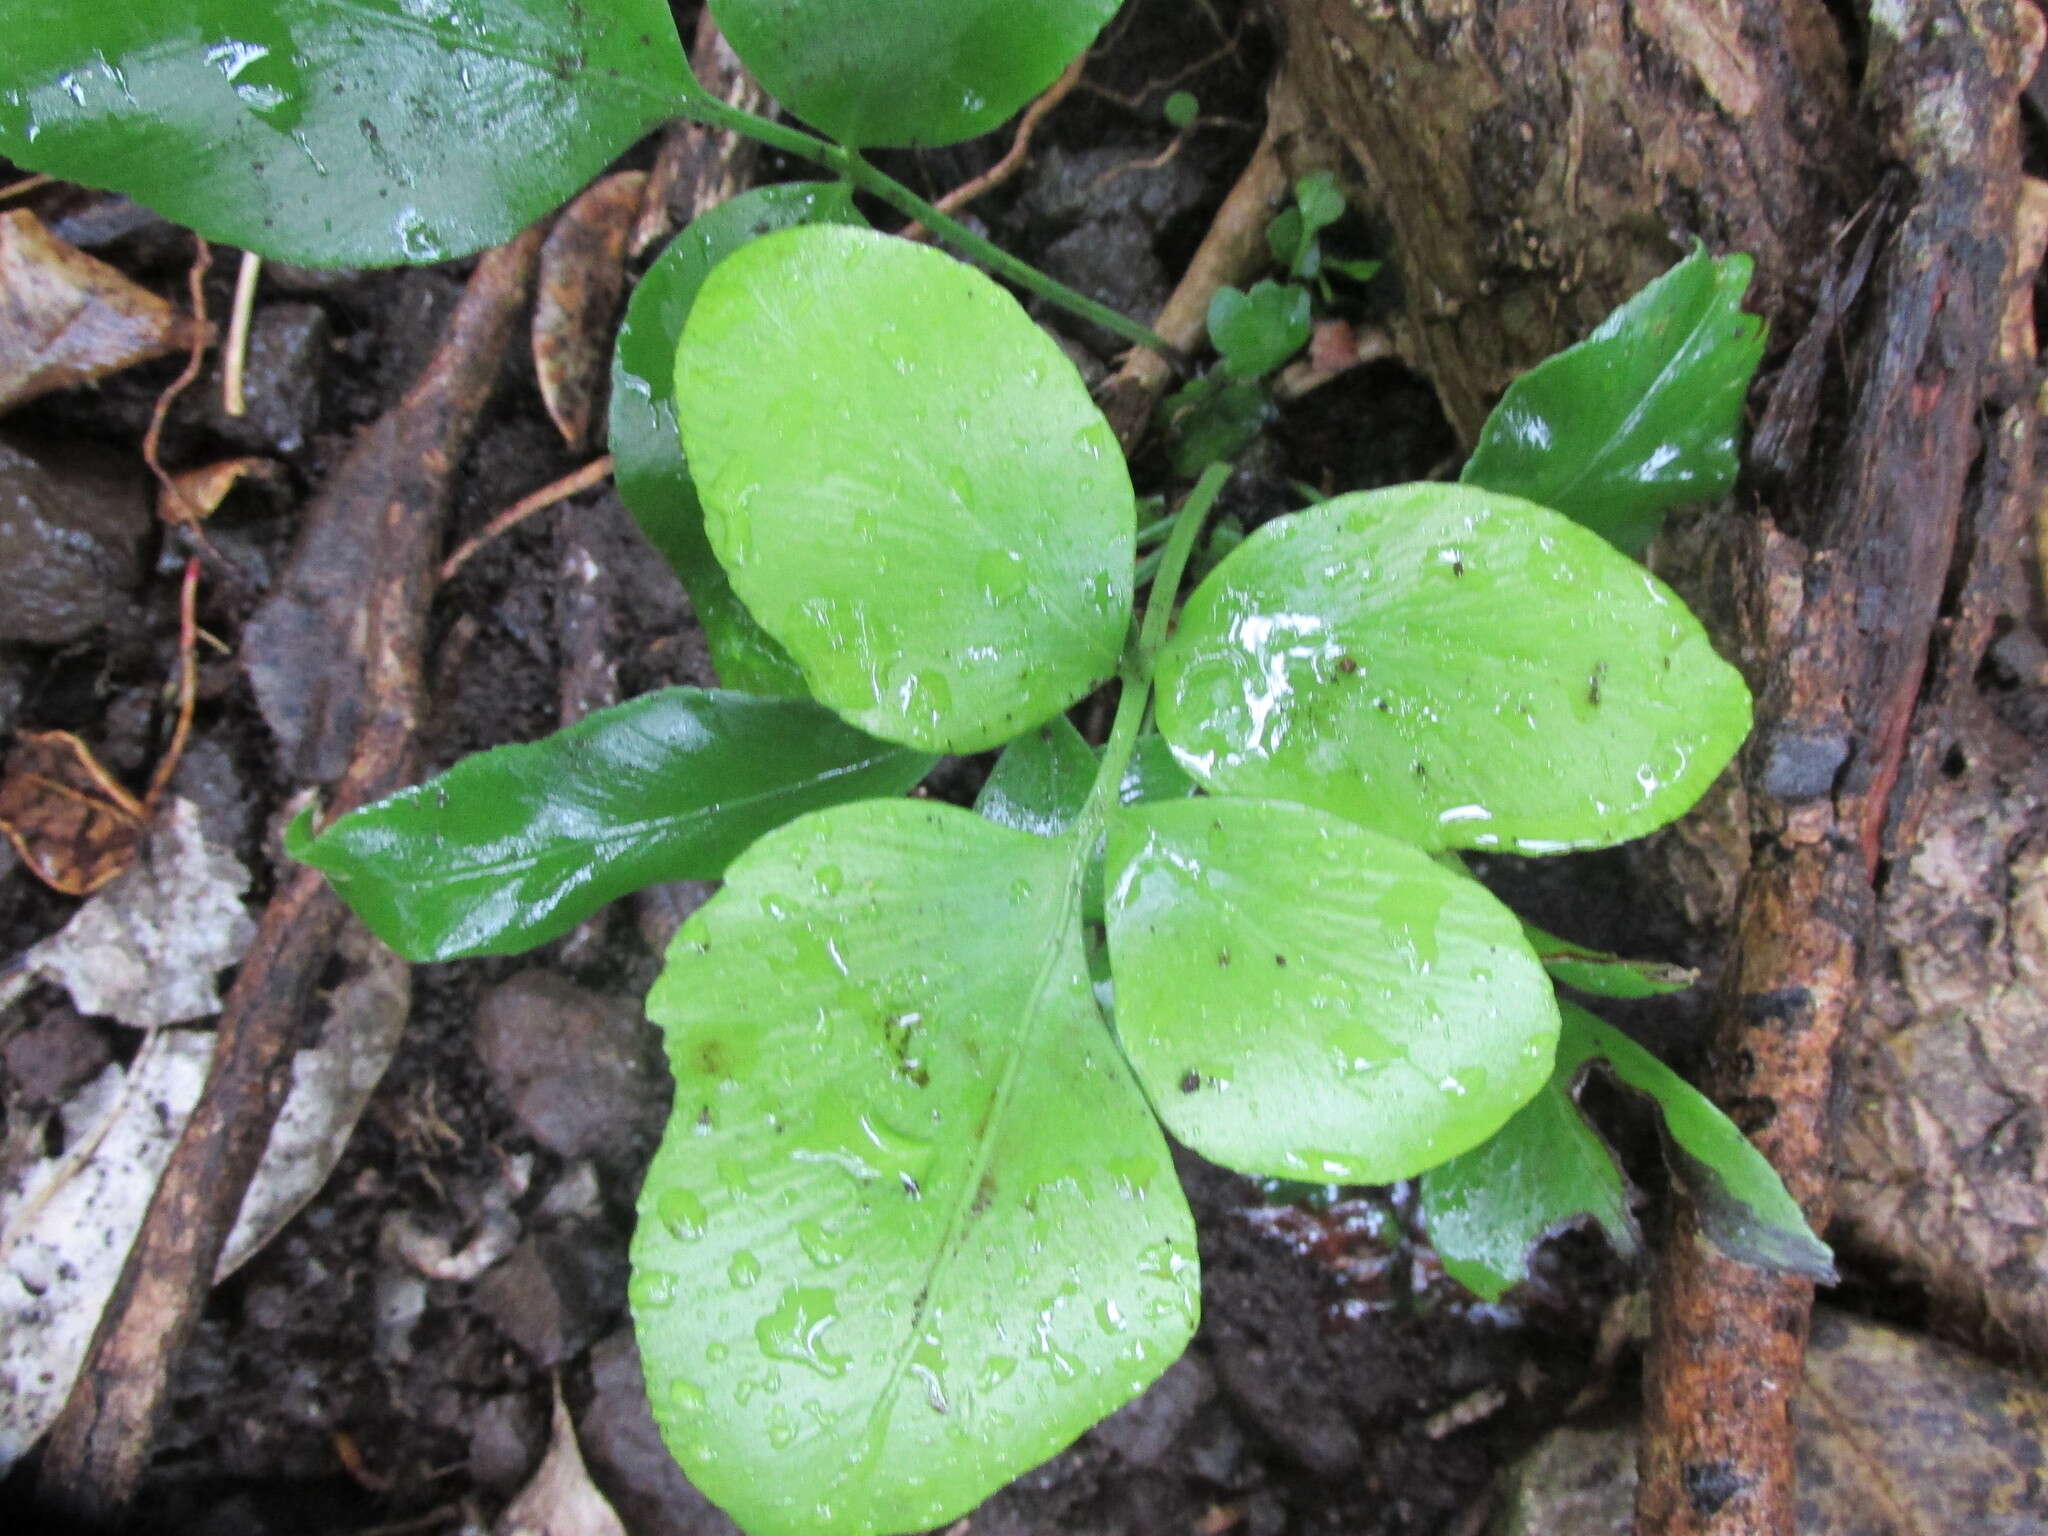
<point x="289" y="355"/>
<point x="1146" y="1430"/>
<point x="49" y="1063"/>
<point x="504" y="1443"/>
<point x="583" y="1073"/>
<point x="626" y="1458"/>
<point x="554" y="1295"/>
<point x="71" y="531"/>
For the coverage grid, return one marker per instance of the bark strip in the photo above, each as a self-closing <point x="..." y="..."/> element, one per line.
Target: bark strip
<point x="1847" y="621"/>
<point x="397" y="479"/>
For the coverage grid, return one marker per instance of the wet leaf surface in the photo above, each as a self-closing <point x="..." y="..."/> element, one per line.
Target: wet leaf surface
<point x="582" y="274"/>
<point x="913" y="1228"/>
<point x="1309" y="1000"/>
<point x="647" y="450"/>
<point x="1642" y="416"/>
<point x="67" y="318"/>
<point x="515" y="846"/>
<point x="914" y="72"/>
<point x="1458" y="669"/>
<point x="1743" y="1206"/>
<point x="1543" y="1170"/>
<point x="908" y="484"/>
<point x="338" y="132"/>
<point x="1041" y="781"/>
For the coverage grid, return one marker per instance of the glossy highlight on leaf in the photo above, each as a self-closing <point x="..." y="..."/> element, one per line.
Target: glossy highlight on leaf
<point x="1542" y="1171"/>
<point x="1642" y="416"/>
<point x="515" y="846"/>
<point x="1041" y="781"/>
<point x="908" y="485"/>
<point x="912" y="1228"/>
<point x="647" y="452"/>
<point x="911" y="71"/>
<point x="1307" y="999"/>
<point x="1453" y="667"/>
<point x="1744" y="1208"/>
<point x="337" y="132"/>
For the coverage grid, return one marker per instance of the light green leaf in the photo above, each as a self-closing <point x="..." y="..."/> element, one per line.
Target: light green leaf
<point x="337" y="132"/>
<point x="1642" y="416"/>
<point x="911" y="71"/>
<point x="511" y="847"/>
<point x="908" y="485"/>
<point x="1182" y="108"/>
<point x="647" y="453"/>
<point x="1256" y="332"/>
<point x="1041" y="781"/>
<point x="1601" y="974"/>
<point x="1320" y="200"/>
<point x="1744" y="1207"/>
<point x="1453" y="667"/>
<point x="1542" y="1171"/>
<point x="912" y="1228"/>
<point x="1310" y="1000"/>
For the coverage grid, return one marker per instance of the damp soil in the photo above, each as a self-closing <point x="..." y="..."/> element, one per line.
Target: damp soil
<point x="1339" y="1382"/>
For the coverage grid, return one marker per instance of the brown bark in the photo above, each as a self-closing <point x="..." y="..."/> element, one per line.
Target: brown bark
<point x="1534" y="162"/>
<point x="394" y="488"/>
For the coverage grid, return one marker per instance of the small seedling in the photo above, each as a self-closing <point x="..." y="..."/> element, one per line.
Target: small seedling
<point x="914" y="1224"/>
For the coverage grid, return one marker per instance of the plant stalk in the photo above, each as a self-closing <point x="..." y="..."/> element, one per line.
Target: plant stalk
<point x="708" y="109"/>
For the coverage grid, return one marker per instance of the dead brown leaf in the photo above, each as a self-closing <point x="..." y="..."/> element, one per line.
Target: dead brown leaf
<point x="582" y="272"/>
<point x="67" y="318"/>
<point x="191" y="494"/>
<point x="561" y="1500"/>
<point x="73" y="824"/>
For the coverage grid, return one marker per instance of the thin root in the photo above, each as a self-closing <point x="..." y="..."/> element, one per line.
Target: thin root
<point x="593" y="473"/>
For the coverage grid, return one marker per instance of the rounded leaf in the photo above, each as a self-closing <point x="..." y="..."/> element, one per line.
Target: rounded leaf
<point x="337" y="132"/>
<point x="911" y="71"/>
<point x="1307" y="999"/>
<point x="647" y="452"/>
<point x="907" y="484"/>
<point x="1458" y="668"/>
<point x="913" y="1227"/>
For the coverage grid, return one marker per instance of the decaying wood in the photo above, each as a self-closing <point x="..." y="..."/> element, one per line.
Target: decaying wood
<point x="1534" y="161"/>
<point x="396" y="483"/>
<point x="698" y="167"/>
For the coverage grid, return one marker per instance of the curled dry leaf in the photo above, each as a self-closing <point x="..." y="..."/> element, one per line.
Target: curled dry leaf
<point x="67" y="318"/>
<point x="73" y="824"/>
<point x="561" y="1500"/>
<point x="146" y="949"/>
<point x="582" y="273"/>
<point x="192" y="494"/>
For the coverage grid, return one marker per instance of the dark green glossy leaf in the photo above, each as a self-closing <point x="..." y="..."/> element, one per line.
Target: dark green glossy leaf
<point x="1601" y="974"/>
<point x="912" y="1228"/>
<point x="1744" y="1207"/>
<point x="1256" y="332"/>
<point x="1041" y="781"/>
<point x="1542" y="1171"/>
<point x="1456" y="668"/>
<point x="512" y="847"/>
<point x="908" y="485"/>
<point x="1154" y="774"/>
<point x="337" y="132"/>
<point x="647" y="452"/>
<point x="1307" y="999"/>
<point x="1642" y="416"/>
<point x="911" y="71"/>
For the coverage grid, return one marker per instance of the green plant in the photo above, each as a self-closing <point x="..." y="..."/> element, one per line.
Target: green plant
<point x="914" y="1223"/>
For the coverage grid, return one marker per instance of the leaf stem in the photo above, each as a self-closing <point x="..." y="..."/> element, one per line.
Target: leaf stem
<point x="1140" y="654"/>
<point x="708" y="109"/>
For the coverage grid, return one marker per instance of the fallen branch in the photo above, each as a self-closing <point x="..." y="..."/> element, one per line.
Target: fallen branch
<point x="1233" y="249"/>
<point x="398" y="477"/>
<point x="1844" y="620"/>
